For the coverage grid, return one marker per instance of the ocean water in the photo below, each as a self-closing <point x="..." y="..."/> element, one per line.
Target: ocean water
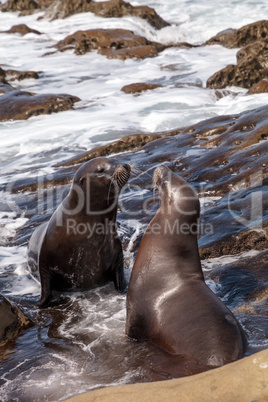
<point x="69" y="353"/>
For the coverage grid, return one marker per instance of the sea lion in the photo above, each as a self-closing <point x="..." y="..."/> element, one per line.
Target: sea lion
<point x="168" y="301"/>
<point x="79" y="248"/>
<point x="12" y="320"/>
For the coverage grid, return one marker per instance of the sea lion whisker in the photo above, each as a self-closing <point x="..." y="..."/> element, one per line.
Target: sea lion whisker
<point x="136" y="171"/>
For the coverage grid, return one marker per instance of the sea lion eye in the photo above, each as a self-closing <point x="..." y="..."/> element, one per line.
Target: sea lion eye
<point x="81" y="181"/>
<point x="102" y="168"/>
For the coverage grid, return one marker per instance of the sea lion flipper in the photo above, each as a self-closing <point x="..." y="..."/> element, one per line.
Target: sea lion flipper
<point x="46" y="290"/>
<point x="118" y="272"/>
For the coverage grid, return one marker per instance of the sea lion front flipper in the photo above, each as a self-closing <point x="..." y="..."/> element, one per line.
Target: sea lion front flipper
<point x="118" y="276"/>
<point x="46" y="290"/>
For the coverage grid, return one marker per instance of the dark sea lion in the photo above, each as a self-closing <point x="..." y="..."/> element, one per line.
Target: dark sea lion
<point x="12" y="320"/>
<point x="79" y="248"/>
<point x="168" y="301"/>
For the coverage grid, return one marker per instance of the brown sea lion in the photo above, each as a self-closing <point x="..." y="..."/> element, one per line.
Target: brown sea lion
<point x="168" y="301"/>
<point x="79" y="248"/>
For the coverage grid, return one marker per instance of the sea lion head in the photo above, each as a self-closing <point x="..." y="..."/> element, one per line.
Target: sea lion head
<point x="175" y="194"/>
<point x="98" y="183"/>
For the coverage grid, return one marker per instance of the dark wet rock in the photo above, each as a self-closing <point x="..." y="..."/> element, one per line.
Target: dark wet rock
<point x="120" y="8"/>
<point x="231" y="38"/>
<point x="235" y="242"/>
<point x="230" y="162"/>
<point x="113" y="43"/>
<point x="139" y="87"/>
<point x="245" y="218"/>
<point x="245" y="280"/>
<point x="106" y="9"/>
<point x="2" y="75"/>
<point x="223" y="92"/>
<point x="12" y="320"/>
<point x="22" y="29"/>
<point x="225" y="156"/>
<point x="129" y="143"/>
<point x="11" y="75"/>
<point x="260" y="87"/>
<point x="44" y="3"/>
<point x="33" y="184"/>
<point x="19" y="5"/>
<point x="21" y="105"/>
<point x="65" y="8"/>
<point x="223" y="144"/>
<point x="252" y="63"/>
<point x="251" y="67"/>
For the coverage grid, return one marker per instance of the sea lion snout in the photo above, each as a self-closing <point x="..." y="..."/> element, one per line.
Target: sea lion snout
<point x="159" y="174"/>
<point x="121" y="174"/>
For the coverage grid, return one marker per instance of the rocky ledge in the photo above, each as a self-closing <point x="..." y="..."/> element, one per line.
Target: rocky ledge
<point x="139" y="87"/>
<point x="21" y="105"/>
<point x="11" y="75"/>
<point x="21" y="29"/>
<point x="232" y="38"/>
<point x="107" y="9"/>
<point x="259" y="87"/>
<point x="224" y="146"/>
<point x="252" y="65"/>
<point x="112" y="43"/>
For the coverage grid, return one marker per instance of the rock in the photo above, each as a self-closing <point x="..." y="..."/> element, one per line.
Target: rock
<point x="21" y="105"/>
<point x="106" y="9"/>
<point x="260" y="87"/>
<point x="120" y="8"/>
<point x="231" y="38"/>
<point x="229" y="141"/>
<point x="252" y="63"/>
<point x="236" y="239"/>
<point x="224" y="147"/>
<point x="244" y="380"/>
<point x="65" y="8"/>
<point x="125" y="144"/>
<point x="139" y="87"/>
<point x="44" y="3"/>
<point x="11" y="75"/>
<point x="19" y="5"/>
<point x="2" y="75"/>
<point x="230" y="162"/>
<point x="22" y="29"/>
<point x="251" y="67"/>
<point x="245" y="280"/>
<point x="12" y="320"/>
<point x="113" y="43"/>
